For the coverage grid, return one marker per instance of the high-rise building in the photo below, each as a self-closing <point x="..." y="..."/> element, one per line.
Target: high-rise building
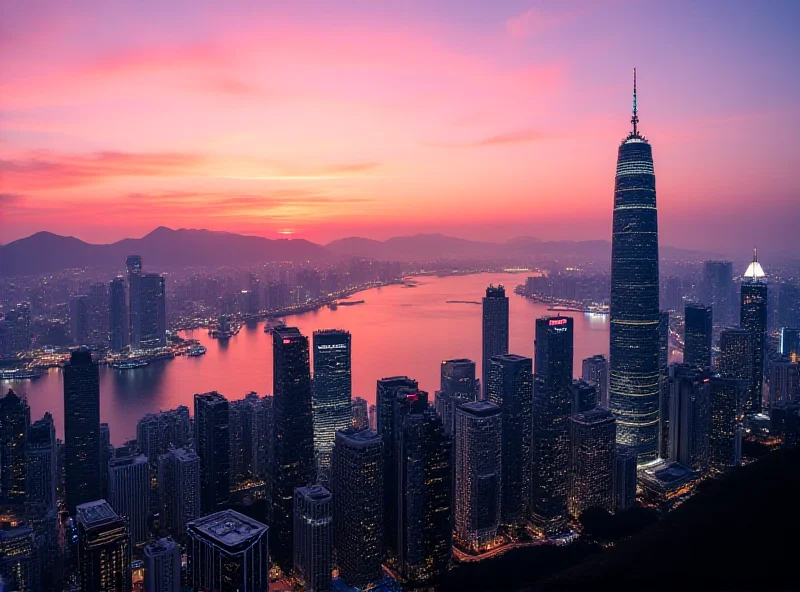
<point x="725" y="426"/>
<point x="624" y="488"/>
<point x="332" y="393"/>
<point x="698" y="325"/>
<point x="133" y="265"/>
<point x="118" y="329"/>
<point x="495" y="328"/>
<point x="313" y="537"/>
<point x="357" y="487"/>
<point x="788" y="305"/>
<point x="785" y="423"/>
<point x="179" y="490"/>
<point x="552" y="405"/>
<point x="15" y="330"/>
<point x="20" y="565"/>
<point x="80" y="319"/>
<point x="262" y="435"/>
<point x="736" y="358"/>
<point x="595" y="371"/>
<point x="790" y="342"/>
<point x="717" y="290"/>
<point x="593" y="444"/>
<point x="293" y="454"/>
<point x="241" y="415"/>
<point x="458" y="385"/>
<point x="394" y="395"/>
<point x="227" y="551"/>
<point x="41" y="464"/>
<point x="584" y="396"/>
<point x="15" y="421"/>
<point x="478" y="475"/>
<point x="162" y="566"/>
<point x="98" y="314"/>
<point x="753" y="317"/>
<point x="152" y="311"/>
<point x="689" y="416"/>
<point x="212" y="443"/>
<point x="82" y="467"/>
<point x="784" y="381"/>
<point x="663" y="343"/>
<point x="129" y="493"/>
<point x="424" y="507"/>
<point x="104" y="550"/>
<point x="634" y="307"/>
<point x="510" y="387"/>
<point x="360" y="409"/>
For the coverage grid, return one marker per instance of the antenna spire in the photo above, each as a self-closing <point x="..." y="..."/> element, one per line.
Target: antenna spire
<point x="635" y="117"/>
<point x="755" y="254"/>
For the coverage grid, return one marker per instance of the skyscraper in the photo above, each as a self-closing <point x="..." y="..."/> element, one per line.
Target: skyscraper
<point x="313" y="537"/>
<point x="332" y="393"/>
<point x="129" y="493"/>
<point x="80" y="319"/>
<point x="179" y="490"/>
<point x="20" y="567"/>
<point x="357" y="487"/>
<point x="162" y="566"/>
<point x="595" y="371"/>
<point x="227" y="551"/>
<point x="118" y="329"/>
<point x="152" y="311"/>
<point x="593" y="445"/>
<point x="293" y="452"/>
<point x="360" y="408"/>
<point x="784" y="381"/>
<point x="478" y="482"/>
<point x="41" y="468"/>
<point x="624" y="477"/>
<point x="552" y="405"/>
<point x="510" y="387"/>
<point x="790" y="342"/>
<point x="634" y="309"/>
<point x="717" y="290"/>
<point x="736" y="357"/>
<point x="698" y="325"/>
<point x="212" y="443"/>
<point x="584" y="396"/>
<point x="82" y="470"/>
<point x="104" y="550"/>
<point x="240" y="427"/>
<point x="495" y="327"/>
<point x="725" y="431"/>
<point x="98" y="314"/>
<point x="753" y="317"/>
<point x="689" y="416"/>
<point x="15" y="421"/>
<point x="133" y="265"/>
<point x="457" y="386"/>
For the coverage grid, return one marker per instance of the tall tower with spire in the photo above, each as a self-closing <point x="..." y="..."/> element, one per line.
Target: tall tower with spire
<point x="634" y="368"/>
<point x="753" y="317"/>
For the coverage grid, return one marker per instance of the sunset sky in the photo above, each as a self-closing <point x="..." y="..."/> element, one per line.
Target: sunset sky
<point x="484" y="120"/>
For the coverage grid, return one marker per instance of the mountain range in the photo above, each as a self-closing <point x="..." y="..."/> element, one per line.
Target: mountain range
<point x="45" y="252"/>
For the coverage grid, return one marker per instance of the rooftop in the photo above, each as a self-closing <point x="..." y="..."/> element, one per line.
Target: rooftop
<point x="159" y="547"/>
<point x="314" y="492"/>
<point x="480" y="408"/>
<point x="666" y="473"/>
<point x="358" y="437"/>
<point x="95" y="513"/>
<point x="229" y="528"/>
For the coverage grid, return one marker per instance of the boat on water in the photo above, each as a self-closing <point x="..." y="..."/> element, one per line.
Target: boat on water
<point x="129" y="364"/>
<point x="196" y="350"/>
<point x="461" y="302"/>
<point x="349" y="302"/>
<point x="20" y="374"/>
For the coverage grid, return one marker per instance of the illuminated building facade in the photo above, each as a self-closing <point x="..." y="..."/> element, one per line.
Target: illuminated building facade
<point x="118" y="329"/>
<point x="162" y="566"/>
<point x="593" y="437"/>
<point x="313" y="537"/>
<point x="15" y="420"/>
<point x="634" y="310"/>
<point x="725" y="433"/>
<point x="698" y="323"/>
<point x="152" y="311"/>
<point x="717" y="290"/>
<point x="104" y="550"/>
<point x="790" y="342"/>
<point x="458" y="385"/>
<point x="664" y="482"/>
<point x="689" y="416"/>
<point x="179" y="490"/>
<point x="129" y="493"/>
<point x="624" y="488"/>
<point x="41" y="464"/>
<point x="212" y="443"/>
<point x="595" y="371"/>
<point x="552" y="406"/>
<point x="784" y="381"/>
<point x="495" y="328"/>
<point x="133" y="265"/>
<point x="753" y="317"/>
<point x="360" y="409"/>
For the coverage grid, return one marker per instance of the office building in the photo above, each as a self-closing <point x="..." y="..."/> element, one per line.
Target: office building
<point x="634" y="362"/>
<point x="478" y="475"/>
<point x="458" y="385"/>
<point x="80" y="319"/>
<point x="689" y="416"/>
<point x="104" y="550"/>
<point x="595" y="371"/>
<point x="357" y="487"/>
<point x="15" y="420"/>
<point x="118" y="329"/>
<point x="495" y="328"/>
<point x="82" y="468"/>
<point x="624" y="488"/>
<point x="784" y="381"/>
<point x="240" y="427"/>
<point x="717" y="290"/>
<point x="360" y="409"/>
<point x="162" y="566"/>
<point x="262" y="435"/>
<point x="753" y="317"/>
<point x="152" y="311"/>
<point x="41" y="464"/>
<point x="212" y="443"/>
<point x="698" y="325"/>
<point x="179" y="490"/>
<point x="736" y="359"/>
<point x="129" y="493"/>
<point x="593" y="436"/>
<point x="510" y="387"/>
<point x="293" y="454"/>
<point x="788" y="305"/>
<point x="20" y="566"/>
<point x="552" y="405"/>
<point x="15" y="330"/>
<point x="313" y="538"/>
<point x="725" y="426"/>
<point x="227" y="551"/>
<point x="332" y="393"/>
<point x="133" y="265"/>
<point x="584" y="396"/>
<point x="785" y="423"/>
<point x="663" y="482"/>
<point x="790" y="342"/>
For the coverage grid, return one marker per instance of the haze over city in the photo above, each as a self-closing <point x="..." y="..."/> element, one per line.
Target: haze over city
<point x="324" y="120"/>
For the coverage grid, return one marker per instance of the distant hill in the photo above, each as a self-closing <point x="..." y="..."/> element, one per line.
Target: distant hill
<point x="45" y="252"/>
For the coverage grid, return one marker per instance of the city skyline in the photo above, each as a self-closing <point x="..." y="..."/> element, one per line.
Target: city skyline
<point x="220" y="112"/>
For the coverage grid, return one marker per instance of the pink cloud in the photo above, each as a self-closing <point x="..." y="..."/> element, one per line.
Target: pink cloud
<point x="530" y="22"/>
